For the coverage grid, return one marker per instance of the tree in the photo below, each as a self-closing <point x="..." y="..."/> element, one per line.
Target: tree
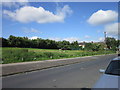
<point x="4" y="42"/>
<point x="63" y="45"/>
<point x="111" y="43"/>
<point x="12" y="41"/>
<point x="25" y="42"/>
<point x="75" y="45"/>
<point x="18" y="41"/>
<point x="88" y="46"/>
<point x="50" y="44"/>
<point x="94" y="46"/>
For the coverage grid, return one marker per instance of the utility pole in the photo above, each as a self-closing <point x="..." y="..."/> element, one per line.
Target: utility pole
<point x="105" y="41"/>
<point x="105" y="37"/>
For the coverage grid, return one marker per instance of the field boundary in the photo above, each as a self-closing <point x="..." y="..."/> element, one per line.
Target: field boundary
<point x="15" y="68"/>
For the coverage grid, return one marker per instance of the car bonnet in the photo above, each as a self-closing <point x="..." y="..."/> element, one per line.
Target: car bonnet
<point x="108" y="81"/>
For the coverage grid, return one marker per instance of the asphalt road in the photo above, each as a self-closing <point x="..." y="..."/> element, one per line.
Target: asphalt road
<point x="80" y="75"/>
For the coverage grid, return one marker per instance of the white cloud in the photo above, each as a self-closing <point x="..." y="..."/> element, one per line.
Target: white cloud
<point x="56" y="39"/>
<point x="87" y="37"/>
<point x="71" y="39"/>
<point x="13" y="0"/>
<point x="102" y="17"/>
<point x="89" y="41"/>
<point x="34" y="37"/>
<point x="31" y="30"/>
<point x="16" y="4"/>
<point x="99" y="31"/>
<point x="112" y="29"/>
<point x="40" y="15"/>
<point x="101" y="39"/>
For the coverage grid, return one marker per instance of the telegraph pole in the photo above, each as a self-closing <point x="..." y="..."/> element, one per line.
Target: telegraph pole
<point x="105" y="37"/>
<point x="105" y="41"/>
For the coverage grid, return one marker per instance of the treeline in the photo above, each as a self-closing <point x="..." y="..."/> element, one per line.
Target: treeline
<point x="25" y="42"/>
<point x="109" y="44"/>
<point x="112" y="43"/>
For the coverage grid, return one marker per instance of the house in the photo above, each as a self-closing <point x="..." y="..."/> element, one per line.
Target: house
<point x="82" y="44"/>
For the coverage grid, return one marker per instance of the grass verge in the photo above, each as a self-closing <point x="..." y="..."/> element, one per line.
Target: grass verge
<point x="14" y="55"/>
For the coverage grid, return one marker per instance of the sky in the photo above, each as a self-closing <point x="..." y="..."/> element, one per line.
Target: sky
<point x="70" y="21"/>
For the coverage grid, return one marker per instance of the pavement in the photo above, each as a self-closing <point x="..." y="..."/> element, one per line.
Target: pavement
<point x="83" y="74"/>
<point x="15" y="68"/>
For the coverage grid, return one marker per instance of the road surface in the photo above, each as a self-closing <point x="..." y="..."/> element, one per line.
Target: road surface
<point x="80" y="75"/>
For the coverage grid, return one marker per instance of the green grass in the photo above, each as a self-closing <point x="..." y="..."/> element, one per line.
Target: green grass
<point x="14" y="55"/>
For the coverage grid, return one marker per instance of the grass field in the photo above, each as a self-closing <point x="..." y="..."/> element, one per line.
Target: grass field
<point x="14" y="55"/>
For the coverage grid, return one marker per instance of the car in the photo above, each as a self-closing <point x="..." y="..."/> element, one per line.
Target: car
<point x="111" y="76"/>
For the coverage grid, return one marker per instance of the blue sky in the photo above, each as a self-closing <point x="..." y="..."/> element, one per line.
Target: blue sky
<point x="81" y="21"/>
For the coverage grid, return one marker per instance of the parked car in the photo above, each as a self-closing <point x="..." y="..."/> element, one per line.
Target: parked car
<point x="111" y="76"/>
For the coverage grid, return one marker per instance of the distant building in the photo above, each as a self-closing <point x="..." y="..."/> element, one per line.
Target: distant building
<point x="82" y="44"/>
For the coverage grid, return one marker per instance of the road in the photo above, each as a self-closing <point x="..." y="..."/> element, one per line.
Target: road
<point x="79" y="75"/>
